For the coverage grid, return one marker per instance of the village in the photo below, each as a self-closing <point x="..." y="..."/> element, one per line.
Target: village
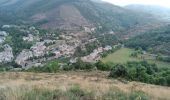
<point x="64" y="45"/>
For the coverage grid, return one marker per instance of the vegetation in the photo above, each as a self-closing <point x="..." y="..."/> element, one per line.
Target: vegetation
<point x="155" y="41"/>
<point x="110" y="17"/>
<point x="51" y="67"/>
<point x="101" y="41"/>
<point x="127" y="64"/>
<point x="87" y="50"/>
<point x="133" y="71"/>
<point x="141" y="71"/>
<point x="120" y="56"/>
<point x="72" y="93"/>
<point x="124" y="55"/>
<point x="114" y="49"/>
<point x="15" y="40"/>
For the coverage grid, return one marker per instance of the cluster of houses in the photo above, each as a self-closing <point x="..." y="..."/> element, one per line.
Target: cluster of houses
<point x="6" y="55"/>
<point x="3" y="35"/>
<point x="38" y="49"/>
<point x="64" y="45"/>
<point x="89" y="30"/>
<point x="29" y="38"/>
<point x="95" y="55"/>
<point x="23" y="56"/>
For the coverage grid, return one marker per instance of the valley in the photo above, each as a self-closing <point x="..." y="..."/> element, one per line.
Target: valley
<point x="83" y="50"/>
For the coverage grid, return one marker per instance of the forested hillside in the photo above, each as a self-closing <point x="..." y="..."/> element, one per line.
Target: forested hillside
<point x="155" y="41"/>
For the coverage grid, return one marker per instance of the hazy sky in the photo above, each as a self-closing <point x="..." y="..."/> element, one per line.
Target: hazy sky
<point x="165" y="3"/>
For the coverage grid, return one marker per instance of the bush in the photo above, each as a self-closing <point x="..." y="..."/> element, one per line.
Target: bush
<point x="119" y="71"/>
<point x="168" y="80"/>
<point x="103" y="67"/>
<point x="75" y="89"/>
<point x="50" y="67"/>
<point x="160" y="80"/>
<point x="80" y="65"/>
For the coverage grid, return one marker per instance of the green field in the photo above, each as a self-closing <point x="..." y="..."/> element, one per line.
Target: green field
<point x="123" y="55"/>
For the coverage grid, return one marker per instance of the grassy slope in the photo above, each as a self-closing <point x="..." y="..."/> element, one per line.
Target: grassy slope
<point x="123" y="56"/>
<point x="28" y="86"/>
<point x="120" y="56"/>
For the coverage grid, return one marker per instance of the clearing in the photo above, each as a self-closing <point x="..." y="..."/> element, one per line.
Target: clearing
<point x="123" y="55"/>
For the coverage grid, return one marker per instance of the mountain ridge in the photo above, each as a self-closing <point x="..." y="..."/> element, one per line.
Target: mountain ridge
<point x="70" y="14"/>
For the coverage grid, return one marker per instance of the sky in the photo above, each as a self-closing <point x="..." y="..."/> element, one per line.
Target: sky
<point x="165" y="3"/>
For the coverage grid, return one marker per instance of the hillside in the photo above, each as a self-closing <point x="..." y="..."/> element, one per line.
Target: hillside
<point x="161" y="12"/>
<point x="75" y="86"/>
<point x="72" y="14"/>
<point x="155" y="41"/>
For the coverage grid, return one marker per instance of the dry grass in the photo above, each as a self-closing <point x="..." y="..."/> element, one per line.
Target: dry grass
<point x="91" y="81"/>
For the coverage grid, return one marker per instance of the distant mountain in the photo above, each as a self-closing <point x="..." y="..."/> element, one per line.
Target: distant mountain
<point x="158" y="11"/>
<point x="73" y="14"/>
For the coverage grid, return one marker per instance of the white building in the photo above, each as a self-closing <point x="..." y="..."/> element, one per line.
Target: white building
<point x="3" y="33"/>
<point x="38" y="49"/>
<point x="23" y="56"/>
<point x="107" y="48"/>
<point x="7" y="54"/>
<point x="30" y="38"/>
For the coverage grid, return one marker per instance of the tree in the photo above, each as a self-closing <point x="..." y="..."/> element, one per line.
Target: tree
<point x="142" y="74"/>
<point x="168" y="80"/>
<point x="52" y="67"/>
<point x="79" y="64"/>
<point x="102" y="66"/>
<point x="132" y="73"/>
<point x="119" y="71"/>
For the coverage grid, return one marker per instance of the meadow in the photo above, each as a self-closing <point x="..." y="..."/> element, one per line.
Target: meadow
<point x="122" y="56"/>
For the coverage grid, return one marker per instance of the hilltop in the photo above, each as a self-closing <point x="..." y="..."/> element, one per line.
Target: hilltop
<point x="73" y="14"/>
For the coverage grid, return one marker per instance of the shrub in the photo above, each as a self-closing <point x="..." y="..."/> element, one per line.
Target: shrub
<point x="50" y="67"/>
<point x="168" y="80"/>
<point x="80" y="65"/>
<point x="119" y="71"/>
<point x="75" y="89"/>
<point x="103" y="67"/>
<point x="138" y="95"/>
